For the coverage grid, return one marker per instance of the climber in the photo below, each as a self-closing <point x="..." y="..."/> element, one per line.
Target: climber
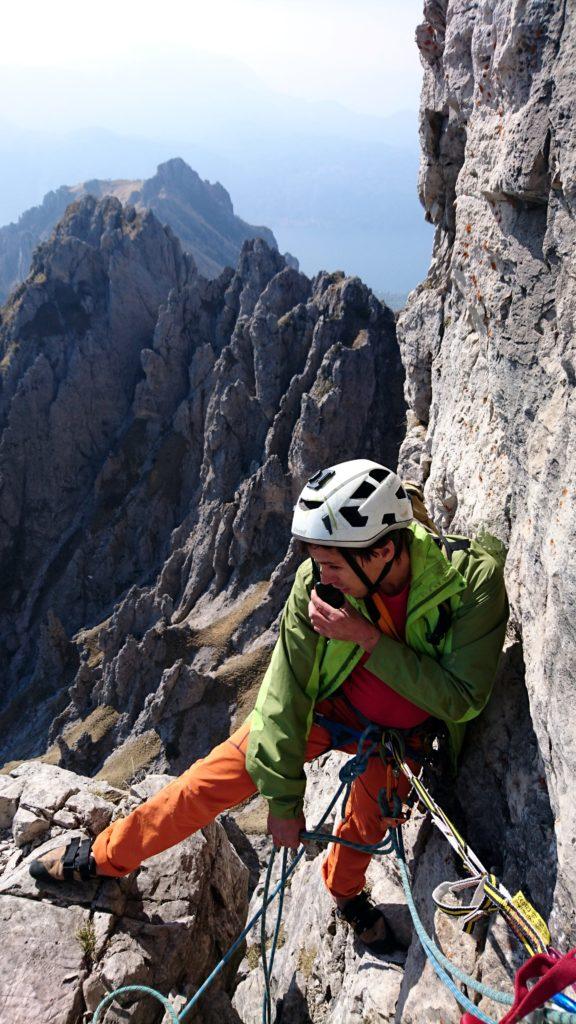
<point x="415" y="643"/>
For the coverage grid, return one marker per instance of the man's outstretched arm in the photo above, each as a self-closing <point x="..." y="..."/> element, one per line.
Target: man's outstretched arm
<point x="281" y="720"/>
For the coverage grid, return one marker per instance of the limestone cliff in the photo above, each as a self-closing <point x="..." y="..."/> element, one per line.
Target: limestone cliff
<point x="488" y="347"/>
<point x="487" y="343"/>
<point x="200" y="214"/>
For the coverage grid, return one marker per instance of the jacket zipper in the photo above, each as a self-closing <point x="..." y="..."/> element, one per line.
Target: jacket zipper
<point x="430" y="599"/>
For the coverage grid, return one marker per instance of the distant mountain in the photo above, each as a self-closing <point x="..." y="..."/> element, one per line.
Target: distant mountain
<point x="201" y="214"/>
<point x="338" y="189"/>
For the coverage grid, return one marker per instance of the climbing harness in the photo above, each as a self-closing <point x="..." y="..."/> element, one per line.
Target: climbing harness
<point x="555" y="972"/>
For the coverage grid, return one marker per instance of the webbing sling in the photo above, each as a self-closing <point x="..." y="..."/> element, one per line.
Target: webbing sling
<point x="550" y="976"/>
<point x="490" y="895"/>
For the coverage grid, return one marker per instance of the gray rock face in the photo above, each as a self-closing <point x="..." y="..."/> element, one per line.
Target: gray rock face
<point x="65" y="946"/>
<point x="199" y="213"/>
<point x="488" y="346"/>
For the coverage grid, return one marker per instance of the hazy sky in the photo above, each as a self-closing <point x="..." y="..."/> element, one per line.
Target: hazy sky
<point x="359" y="54"/>
<point x="305" y="110"/>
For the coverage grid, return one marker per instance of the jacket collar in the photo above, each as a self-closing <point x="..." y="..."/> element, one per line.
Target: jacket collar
<point x="432" y="577"/>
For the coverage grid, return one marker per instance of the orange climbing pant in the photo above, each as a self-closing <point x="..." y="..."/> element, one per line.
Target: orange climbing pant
<point x="220" y="781"/>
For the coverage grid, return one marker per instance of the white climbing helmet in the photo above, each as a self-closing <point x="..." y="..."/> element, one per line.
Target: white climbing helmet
<point x="351" y="505"/>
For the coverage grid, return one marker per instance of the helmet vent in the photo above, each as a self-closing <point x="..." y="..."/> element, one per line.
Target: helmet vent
<point x="351" y="514"/>
<point x="388" y="519"/>
<point x="364" y="491"/>
<point x="307" y="503"/>
<point x="400" y="493"/>
<point x="326" y="522"/>
<point x="379" y="474"/>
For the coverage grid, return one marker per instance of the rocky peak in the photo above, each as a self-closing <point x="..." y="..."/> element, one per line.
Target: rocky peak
<point x="200" y="214"/>
<point x="176" y="177"/>
<point x="70" y="343"/>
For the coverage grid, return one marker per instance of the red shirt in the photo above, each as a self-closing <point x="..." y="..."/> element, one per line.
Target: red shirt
<point x="371" y="695"/>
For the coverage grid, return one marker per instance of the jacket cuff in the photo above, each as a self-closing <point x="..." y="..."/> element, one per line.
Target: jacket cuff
<point x="287" y="810"/>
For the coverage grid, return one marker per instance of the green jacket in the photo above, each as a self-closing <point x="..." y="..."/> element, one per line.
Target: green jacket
<point x="452" y="681"/>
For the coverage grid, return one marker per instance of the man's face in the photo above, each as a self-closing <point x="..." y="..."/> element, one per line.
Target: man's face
<point x="334" y="568"/>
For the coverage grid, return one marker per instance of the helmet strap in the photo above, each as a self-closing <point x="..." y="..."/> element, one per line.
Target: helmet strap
<point x="371" y="587"/>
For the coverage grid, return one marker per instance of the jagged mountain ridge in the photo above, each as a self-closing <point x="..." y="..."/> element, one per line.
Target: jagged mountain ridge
<point x="200" y="214"/>
<point x="156" y="427"/>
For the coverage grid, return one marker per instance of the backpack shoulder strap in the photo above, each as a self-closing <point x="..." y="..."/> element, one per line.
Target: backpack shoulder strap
<point x="448" y="545"/>
<point x="452" y="544"/>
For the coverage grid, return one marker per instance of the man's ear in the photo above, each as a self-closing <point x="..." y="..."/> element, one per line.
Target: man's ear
<point x="385" y="551"/>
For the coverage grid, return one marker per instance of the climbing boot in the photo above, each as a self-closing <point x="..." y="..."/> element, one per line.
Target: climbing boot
<point x="369" y="925"/>
<point x="70" y="863"/>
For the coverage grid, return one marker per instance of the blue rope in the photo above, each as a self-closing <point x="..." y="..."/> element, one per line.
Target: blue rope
<point x="566" y="1003"/>
<point x="268" y="963"/>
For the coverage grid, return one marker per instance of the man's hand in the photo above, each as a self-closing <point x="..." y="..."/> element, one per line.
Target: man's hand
<point x="286" y="831"/>
<point x="342" y="623"/>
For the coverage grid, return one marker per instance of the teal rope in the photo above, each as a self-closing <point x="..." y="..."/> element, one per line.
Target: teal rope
<point x="219" y="966"/>
<point x="136" y="988"/>
<point x="484" y="990"/>
<point x="267" y="1000"/>
<point x="346" y="773"/>
<point x="280" y="909"/>
<point x="436" y="958"/>
<point x="466" y="979"/>
<point x="439" y="962"/>
<point x="552" y="1017"/>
